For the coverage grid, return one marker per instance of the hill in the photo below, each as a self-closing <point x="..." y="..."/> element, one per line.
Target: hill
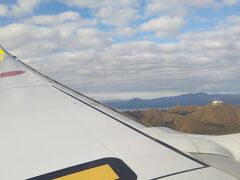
<point x="198" y="99"/>
<point x="210" y="119"/>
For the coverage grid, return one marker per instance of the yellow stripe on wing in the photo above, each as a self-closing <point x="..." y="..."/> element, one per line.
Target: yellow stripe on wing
<point x="104" y="172"/>
<point x="2" y="55"/>
<point x="2" y="52"/>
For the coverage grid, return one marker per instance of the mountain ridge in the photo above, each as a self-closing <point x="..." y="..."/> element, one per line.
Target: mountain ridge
<point x="190" y="99"/>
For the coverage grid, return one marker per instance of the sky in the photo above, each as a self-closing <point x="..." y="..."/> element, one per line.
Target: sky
<point x="120" y="49"/>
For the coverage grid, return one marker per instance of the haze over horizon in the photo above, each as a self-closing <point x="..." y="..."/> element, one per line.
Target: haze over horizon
<point x="130" y="48"/>
<point x="150" y="96"/>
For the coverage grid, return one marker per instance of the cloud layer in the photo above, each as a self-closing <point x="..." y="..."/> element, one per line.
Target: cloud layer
<point x="128" y="48"/>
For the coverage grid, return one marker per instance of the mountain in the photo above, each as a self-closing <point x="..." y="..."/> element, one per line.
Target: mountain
<point x="210" y="119"/>
<point x="190" y="99"/>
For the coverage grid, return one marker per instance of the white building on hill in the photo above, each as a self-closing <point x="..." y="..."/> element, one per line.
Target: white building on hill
<point x="216" y="102"/>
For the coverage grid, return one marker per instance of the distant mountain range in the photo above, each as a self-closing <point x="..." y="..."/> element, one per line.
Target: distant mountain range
<point x="199" y="99"/>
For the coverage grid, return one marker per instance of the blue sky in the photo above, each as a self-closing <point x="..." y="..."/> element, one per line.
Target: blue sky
<point x="130" y="48"/>
<point x="197" y="19"/>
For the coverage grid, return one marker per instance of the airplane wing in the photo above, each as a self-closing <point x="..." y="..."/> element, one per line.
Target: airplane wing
<point x="49" y="131"/>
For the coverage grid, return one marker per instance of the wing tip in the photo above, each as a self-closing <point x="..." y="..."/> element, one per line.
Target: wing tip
<point x="4" y="52"/>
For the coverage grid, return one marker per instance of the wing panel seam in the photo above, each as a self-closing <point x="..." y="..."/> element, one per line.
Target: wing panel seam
<point x="181" y="172"/>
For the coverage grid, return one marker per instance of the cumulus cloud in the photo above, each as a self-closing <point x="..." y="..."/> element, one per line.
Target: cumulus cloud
<point x="110" y="12"/>
<point x="68" y="33"/>
<point x="116" y="17"/>
<point x="125" y="31"/>
<point x="94" y="4"/>
<point x="176" y="7"/>
<point x="21" y="7"/>
<point x="65" y="17"/>
<point x="231" y="2"/>
<point x="233" y="19"/>
<point x="164" y="25"/>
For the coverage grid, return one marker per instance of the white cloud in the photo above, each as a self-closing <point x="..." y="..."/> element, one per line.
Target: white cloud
<point x="54" y="19"/>
<point x="83" y="3"/>
<point x="3" y="10"/>
<point x="64" y="17"/>
<point x="164" y="25"/>
<point x="68" y="33"/>
<point x="233" y="19"/>
<point x="231" y="2"/>
<point x="95" y="4"/>
<point x="125" y="31"/>
<point x="177" y="7"/>
<point x="109" y="12"/>
<point x="116" y="17"/>
<point x="21" y="7"/>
